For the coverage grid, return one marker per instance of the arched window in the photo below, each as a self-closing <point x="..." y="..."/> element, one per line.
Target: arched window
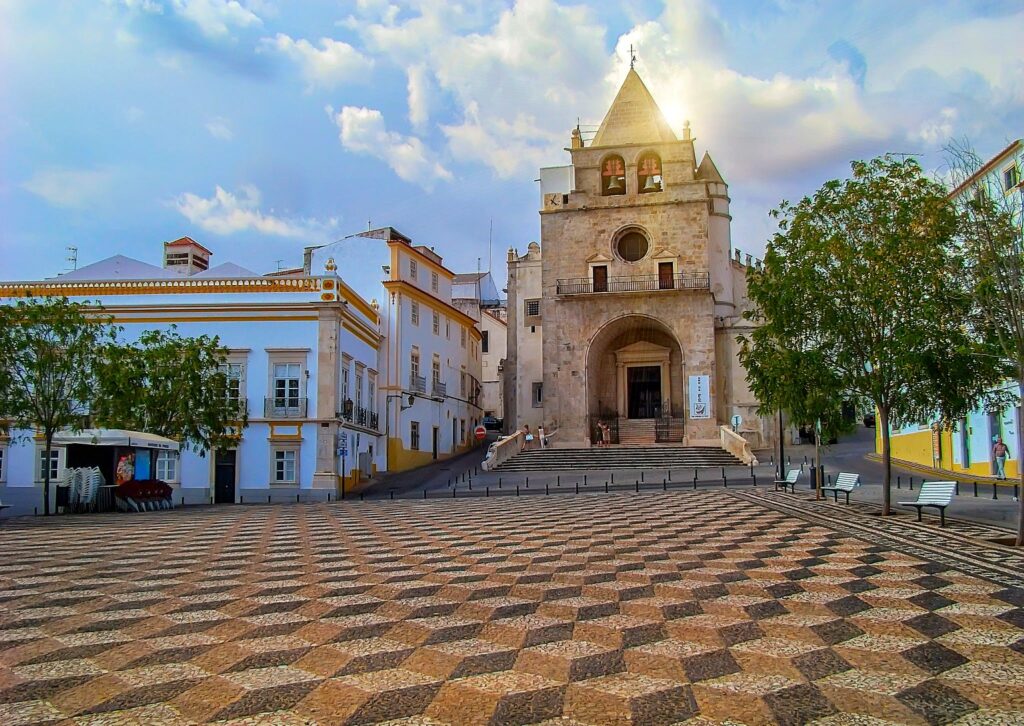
<point x="613" y="176"/>
<point x="648" y="174"/>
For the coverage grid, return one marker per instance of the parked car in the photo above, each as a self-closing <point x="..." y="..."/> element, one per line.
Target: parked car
<point x="869" y="420"/>
<point x="491" y="423"/>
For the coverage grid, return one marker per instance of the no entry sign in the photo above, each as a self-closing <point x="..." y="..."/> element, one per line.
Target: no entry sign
<point x="480" y="432"/>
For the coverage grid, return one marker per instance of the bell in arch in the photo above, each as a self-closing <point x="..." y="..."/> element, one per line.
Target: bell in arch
<point x="652" y="185"/>
<point x="615" y="184"/>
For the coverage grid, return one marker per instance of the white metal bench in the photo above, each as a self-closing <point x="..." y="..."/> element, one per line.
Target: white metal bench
<point x="790" y="481"/>
<point x="936" y="494"/>
<point x="846" y="482"/>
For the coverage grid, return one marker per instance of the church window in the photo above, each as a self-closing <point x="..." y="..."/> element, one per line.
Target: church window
<point x="648" y="174"/>
<point x="632" y="245"/>
<point x="531" y="308"/>
<point x="537" y="395"/>
<point x="613" y="176"/>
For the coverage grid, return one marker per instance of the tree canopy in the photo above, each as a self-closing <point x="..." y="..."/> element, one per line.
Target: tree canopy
<point x="862" y="294"/>
<point x="49" y="354"/>
<point x="171" y="385"/>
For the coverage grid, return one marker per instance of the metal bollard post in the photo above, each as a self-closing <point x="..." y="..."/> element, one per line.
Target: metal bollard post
<point x="613" y="477"/>
<point x="454" y="489"/>
<point x="297" y="498"/>
<point x="995" y="490"/>
<point x="392" y="493"/>
<point x="487" y="491"/>
<point x="584" y="480"/>
<point x="975" y="488"/>
<point x="898" y="485"/>
<point x="558" y="480"/>
<point x="664" y="485"/>
<point x="641" y="476"/>
<point x="546" y="490"/>
<point x="517" y="490"/>
<point x="424" y="493"/>
<point x="911" y="483"/>
<point x="670" y="475"/>
<point x="956" y="487"/>
<point x="637" y="486"/>
<point x="577" y="487"/>
<point x="499" y="482"/>
<point x="527" y="482"/>
<point x="606" y="487"/>
<point x="268" y="499"/>
<point x="360" y="496"/>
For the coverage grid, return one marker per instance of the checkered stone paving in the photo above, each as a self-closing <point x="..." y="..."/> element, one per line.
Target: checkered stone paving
<point x="680" y="607"/>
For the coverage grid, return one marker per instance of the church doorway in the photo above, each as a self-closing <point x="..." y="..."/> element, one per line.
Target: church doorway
<point x="643" y="393"/>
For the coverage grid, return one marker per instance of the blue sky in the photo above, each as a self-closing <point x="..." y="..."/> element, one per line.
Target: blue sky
<point x="261" y="126"/>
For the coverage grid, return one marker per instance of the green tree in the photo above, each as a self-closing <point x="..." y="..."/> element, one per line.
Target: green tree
<point x="170" y="385"/>
<point x="864" y="281"/>
<point x="49" y="357"/>
<point x="992" y="238"/>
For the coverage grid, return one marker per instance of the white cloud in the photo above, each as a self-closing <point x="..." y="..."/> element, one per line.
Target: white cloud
<point x="363" y="131"/>
<point x="70" y="188"/>
<point x="333" y="63"/>
<point x="220" y="128"/>
<point x="226" y="213"/>
<point x="214" y="18"/>
<point x="420" y="91"/>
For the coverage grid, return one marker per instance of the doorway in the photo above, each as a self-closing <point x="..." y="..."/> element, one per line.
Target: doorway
<point x="643" y="391"/>
<point x="224" y="465"/>
<point x="666" y="280"/>
<point x="600" y="278"/>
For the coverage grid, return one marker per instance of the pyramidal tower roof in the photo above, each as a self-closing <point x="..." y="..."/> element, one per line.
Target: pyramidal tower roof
<point x="633" y="118"/>
<point x="708" y="171"/>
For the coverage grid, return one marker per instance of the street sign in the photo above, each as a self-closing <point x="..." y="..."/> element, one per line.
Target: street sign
<point x="736" y="421"/>
<point x="480" y="432"/>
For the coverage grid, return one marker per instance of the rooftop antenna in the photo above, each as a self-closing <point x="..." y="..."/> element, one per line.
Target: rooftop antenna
<point x="369" y="224"/>
<point x="279" y="264"/>
<point x="72" y="257"/>
<point x="632" y="57"/>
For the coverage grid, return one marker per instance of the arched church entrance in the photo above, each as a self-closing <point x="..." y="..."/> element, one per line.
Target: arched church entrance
<point x="635" y="379"/>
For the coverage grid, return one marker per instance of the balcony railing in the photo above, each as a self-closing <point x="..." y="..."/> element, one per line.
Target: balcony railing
<point x="284" y="407"/>
<point x="635" y="283"/>
<point x="439" y="390"/>
<point x="359" y="416"/>
<point x="417" y="384"/>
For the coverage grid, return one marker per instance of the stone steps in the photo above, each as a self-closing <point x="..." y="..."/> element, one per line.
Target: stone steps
<point x="620" y="457"/>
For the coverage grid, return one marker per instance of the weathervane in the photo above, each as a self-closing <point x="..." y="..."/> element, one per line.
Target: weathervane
<point x="632" y="56"/>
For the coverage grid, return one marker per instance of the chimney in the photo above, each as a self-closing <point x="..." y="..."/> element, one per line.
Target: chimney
<point x="186" y="257"/>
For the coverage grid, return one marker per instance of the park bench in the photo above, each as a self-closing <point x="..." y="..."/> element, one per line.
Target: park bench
<point x="936" y="494"/>
<point x="790" y="481"/>
<point x="846" y="482"/>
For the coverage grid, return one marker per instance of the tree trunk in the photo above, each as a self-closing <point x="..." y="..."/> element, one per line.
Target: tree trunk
<point x="48" y="443"/>
<point x="782" y="449"/>
<point x="883" y="422"/>
<point x="1020" y="458"/>
<point x="817" y="461"/>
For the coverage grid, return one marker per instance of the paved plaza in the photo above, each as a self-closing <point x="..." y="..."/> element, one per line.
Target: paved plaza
<point x="702" y="607"/>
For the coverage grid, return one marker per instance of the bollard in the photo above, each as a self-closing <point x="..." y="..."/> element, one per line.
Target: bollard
<point x="268" y="499"/>
<point x="641" y="476"/>
<point x="470" y="485"/>
<point x="424" y="493"/>
<point x="771" y="460"/>
<point x="487" y="491"/>
<point x="789" y="462"/>
<point x="995" y="490"/>
<point x="241" y="499"/>
<point x="754" y="477"/>
<point x="360" y="496"/>
<point x="975" y="488"/>
<point x="606" y="487"/>
<point x="183" y="501"/>
<point x="297" y="498"/>
<point x="392" y="493"/>
<point x="898" y="485"/>
<point x="499" y="482"/>
<point x="577" y="487"/>
<point x="664" y="485"/>
<point x="805" y="459"/>
<point x="637" y="486"/>
<point x="694" y="483"/>
<point x="1016" y="496"/>
<point x="613" y="477"/>
<point x="527" y="482"/>
<point x="558" y="480"/>
<point x="453" y="492"/>
<point x="911" y="483"/>
<point x="956" y="488"/>
<point x="584" y="480"/>
<point x="517" y="490"/>
<point x="546" y="490"/>
<point x="670" y="475"/>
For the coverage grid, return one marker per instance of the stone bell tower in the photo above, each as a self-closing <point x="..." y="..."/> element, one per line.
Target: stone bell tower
<point x="635" y="272"/>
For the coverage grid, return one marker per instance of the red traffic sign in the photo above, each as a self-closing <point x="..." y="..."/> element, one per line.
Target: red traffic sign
<point x="480" y="432"/>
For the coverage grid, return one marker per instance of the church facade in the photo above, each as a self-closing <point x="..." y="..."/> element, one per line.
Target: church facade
<point x="640" y="295"/>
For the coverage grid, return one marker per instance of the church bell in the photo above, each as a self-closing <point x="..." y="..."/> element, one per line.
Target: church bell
<point x="615" y="184"/>
<point x="651" y="185"/>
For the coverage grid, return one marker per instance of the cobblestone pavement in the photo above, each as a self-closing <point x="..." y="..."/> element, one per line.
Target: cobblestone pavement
<point x="698" y="607"/>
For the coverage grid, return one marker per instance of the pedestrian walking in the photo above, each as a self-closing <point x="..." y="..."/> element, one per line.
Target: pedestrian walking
<point x="600" y="434"/>
<point x="999" y="453"/>
<point x="527" y="438"/>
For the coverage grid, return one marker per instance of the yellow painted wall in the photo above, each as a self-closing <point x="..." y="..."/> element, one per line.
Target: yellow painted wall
<point x="916" y="448"/>
<point x="402" y="459"/>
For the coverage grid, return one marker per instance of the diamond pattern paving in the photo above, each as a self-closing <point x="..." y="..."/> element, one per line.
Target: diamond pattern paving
<point x="684" y="607"/>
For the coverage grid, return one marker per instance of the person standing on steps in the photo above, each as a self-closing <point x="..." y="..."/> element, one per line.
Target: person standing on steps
<point x="999" y="453"/>
<point x="527" y="438"/>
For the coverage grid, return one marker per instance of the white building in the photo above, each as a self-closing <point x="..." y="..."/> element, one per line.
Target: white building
<point x="476" y="294"/>
<point x="523" y="369"/>
<point x="308" y="357"/>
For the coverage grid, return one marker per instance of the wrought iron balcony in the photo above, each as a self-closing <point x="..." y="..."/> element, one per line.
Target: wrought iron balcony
<point x="359" y="416"/>
<point x="635" y="283"/>
<point x="439" y="390"/>
<point x="284" y="407"/>
<point x="417" y="384"/>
